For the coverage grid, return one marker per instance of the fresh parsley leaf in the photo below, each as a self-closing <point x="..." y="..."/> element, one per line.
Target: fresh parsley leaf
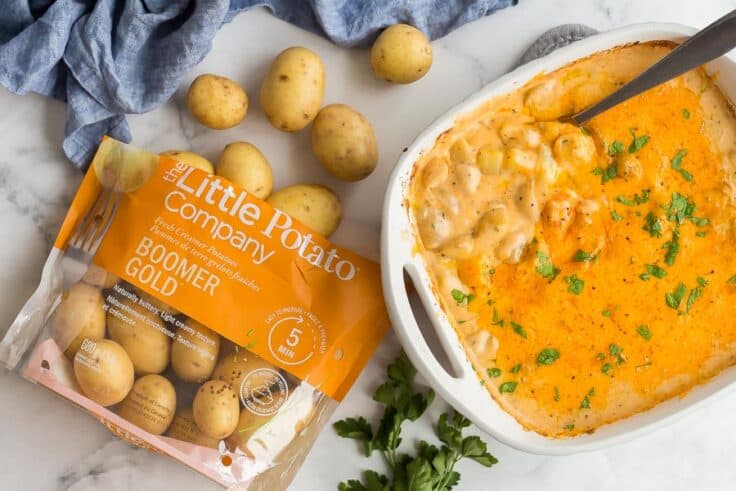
<point x="545" y="267"/>
<point x="569" y="426"/>
<point x="606" y="313"/>
<point x="582" y="257"/>
<point x="644" y="332"/>
<point x="653" y="270"/>
<point x="355" y="428"/>
<point x="674" y="298"/>
<point x="731" y="280"/>
<point x="461" y="297"/>
<point x="516" y="368"/>
<point x="615" y="148"/>
<point x="556" y="393"/>
<point x="652" y="225"/>
<point x="507" y="387"/>
<point x="606" y="368"/>
<point x="673" y="247"/>
<point x="679" y="208"/>
<point x="701" y="233"/>
<point x="600" y="356"/>
<point x="615" y="216"/>
<point x="676" y="164"/>
<point x="610" y="172"/>
<point x="637" y="142"/>
<point x="548" y="356"/>
<point x="494" y="372"/>
<point x="574" y="284"/>
<point x="614" y="349"/>
<point x="695" y="293"/>
<point x="700" y="221"/>
<point x="518" y="329"/>
<point x="585" y="403"/>
<point x="685" y="113"/>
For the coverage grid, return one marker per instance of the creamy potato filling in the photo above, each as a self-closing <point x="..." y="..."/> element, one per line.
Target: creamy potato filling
<point x="589" y="272"/>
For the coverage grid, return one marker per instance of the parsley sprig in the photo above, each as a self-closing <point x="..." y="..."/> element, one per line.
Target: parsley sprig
<point x="433" y="467"/>
<point x="545" y="267"/>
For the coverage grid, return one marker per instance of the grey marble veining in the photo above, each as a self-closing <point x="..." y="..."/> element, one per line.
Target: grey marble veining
<point x="47" y="444"/>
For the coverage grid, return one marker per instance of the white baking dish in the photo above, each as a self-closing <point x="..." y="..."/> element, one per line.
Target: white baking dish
<point x="398" y="255"/>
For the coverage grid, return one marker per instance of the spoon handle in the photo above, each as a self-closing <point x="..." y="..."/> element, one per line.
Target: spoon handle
<point x="710" y="43"/>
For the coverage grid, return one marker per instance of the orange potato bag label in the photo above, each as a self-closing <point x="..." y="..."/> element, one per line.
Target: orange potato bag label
<point x="237" y="265"/>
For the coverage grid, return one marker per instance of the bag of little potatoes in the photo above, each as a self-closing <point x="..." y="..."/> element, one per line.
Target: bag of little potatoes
<point x="196" y="320"/>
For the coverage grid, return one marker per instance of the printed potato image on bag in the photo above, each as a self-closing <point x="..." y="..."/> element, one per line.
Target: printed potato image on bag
<point x="196" y="320"/>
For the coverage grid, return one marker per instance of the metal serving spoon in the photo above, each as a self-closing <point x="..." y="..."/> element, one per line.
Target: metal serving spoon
<point x="710" y="43"/>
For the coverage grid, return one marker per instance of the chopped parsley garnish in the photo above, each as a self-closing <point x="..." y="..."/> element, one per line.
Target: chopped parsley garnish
<point x="497" y="321"/>
<point x="494" y="372"/>
<point x="518" y="329"/>
<point x="610" y="172"/>
<point x="695" y="293"/>
<point x="638" y="142"/>
<point x="615" y="148"/>
<point x="677" y="165"/>
<point x="652" y="225"/>
<point x="653" y="270"/>
<point x="600" y="356"/>
<point x="701" y="233"/>
<point x="585" y="404"/>
<point x="614" y="349"/>
<point x="674" y="298"/>
<point x="574" y="284"/>
<point x="673" y="247"/>
<point x="606" y="368"/>
<point x="507" y="387"/>
<point x="545" y="267"/>
<point x="679" y="208"/>
<point x="557" y="393"/>
<point x="644" y="332"/>
<point x="700" y="221"/>
<point x="731" y="280"/>
<point x="685" y="113"/>
<point x="570" y="426"/>
<point x="583" y="257"/>
<point x="606" y="313"/>
<point x="461" y="297"/>
<point x="547" y="356"/>
<point x="516" y="368"/>
<point x="616" y="217"/>
<point x="624" y="200"/>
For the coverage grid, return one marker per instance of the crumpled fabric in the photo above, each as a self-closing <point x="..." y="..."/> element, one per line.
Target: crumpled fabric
<point x="109" y="58"/>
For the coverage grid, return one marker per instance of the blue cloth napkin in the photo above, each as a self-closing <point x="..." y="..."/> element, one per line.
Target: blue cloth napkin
<point x="108" y="58"/>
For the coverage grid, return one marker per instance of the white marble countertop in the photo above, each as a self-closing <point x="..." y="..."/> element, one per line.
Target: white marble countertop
<point x="47" y="444"/>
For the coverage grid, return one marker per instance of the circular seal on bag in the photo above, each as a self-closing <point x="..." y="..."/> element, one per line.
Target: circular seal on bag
<point x="259" y="395"/>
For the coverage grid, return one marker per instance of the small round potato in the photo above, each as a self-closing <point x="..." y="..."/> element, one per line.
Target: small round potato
<point x="150" y="404"/>
<point x="292" y="92"/>
<point x="315" y="206"/>
<point x="217" y="102"/>
<point x="248" y="423"/>
<point x="194" y="352"/>
<point x="216" y="409"/>
<point x="104" y="371"/>
<point x="122" y="167"/>
<point x="185" y="429"/>
<point x="244" y="165"/>
<point x="144" y="338"/>
<point x="79" y="316"/>
<point x="344" y="142"/>
<point x="97" y="276"/>
<point x="234" y="367"/>
<point x="401" y="54"/>
<point x="191" y="159"/>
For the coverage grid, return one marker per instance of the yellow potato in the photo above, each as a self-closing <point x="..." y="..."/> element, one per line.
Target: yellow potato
<point x="79" y="316"/>
<point x="97" y="276"/>
<point x="194" y="352"/>
<point x="142" y="334"/>
<point x="235" y="366"/>
<point x="104" y="371"/>
<point x="217" y="102"/>
<point x="190" y="158"/>
<point x="292" y="92"/>
<point x="185" y="429"/>
<point x="401" y="54"/>
<point x="216" y="409"/>
<point x="123" y="168"/>
<point x="344" y="142"/>
<point x="244" y="165"/>
<point x="248" y="423"/>
<point x="315" y="206"/>
<point x="150" y="404"/>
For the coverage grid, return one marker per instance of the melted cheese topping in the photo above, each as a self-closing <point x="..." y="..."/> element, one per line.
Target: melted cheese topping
<point x="589" y="273"/>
